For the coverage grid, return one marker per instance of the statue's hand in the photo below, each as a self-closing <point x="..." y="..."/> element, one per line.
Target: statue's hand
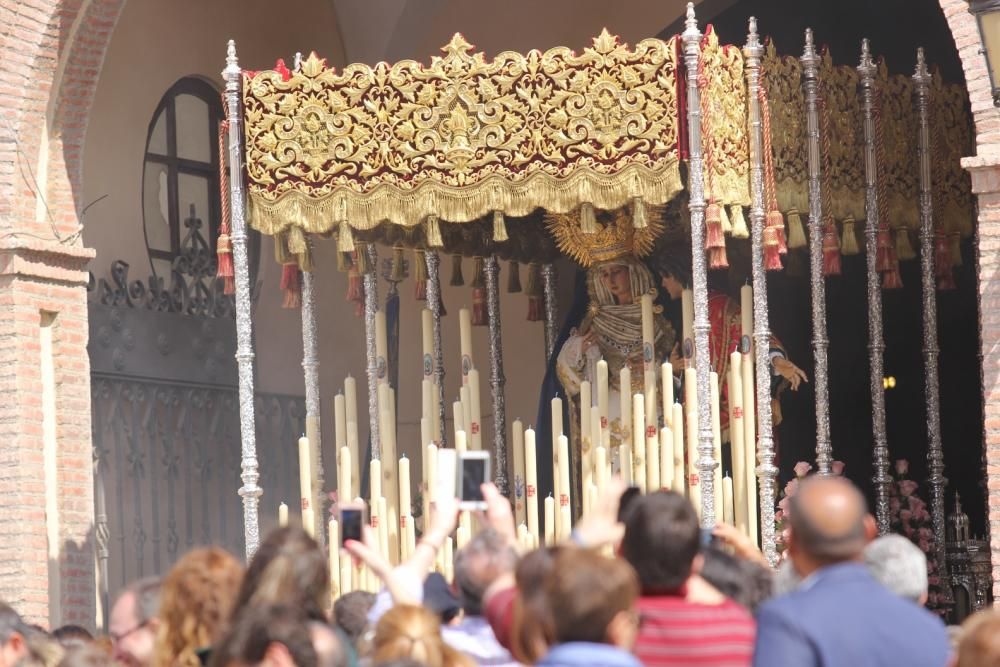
<point x="790" y="372"/>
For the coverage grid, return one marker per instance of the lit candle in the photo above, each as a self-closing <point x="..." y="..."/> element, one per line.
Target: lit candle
<point x="667" y="460"/>
<point x="351" y="406"/>
<point x="736" y="440"/>
<point x="602" y="402"/>
<point x="550" y="522"/>
<point x="677" y="431"/>
<point x="653" y="462"/>
<point x="305" y="486"/>
<point x="344" y="467"/>
<point x="625" y="404"/>
<point x="465" y="331"/>
<point x="333" y="541"/>
<point x="517" y="436"/>
<point x="716" y="437"/>
<point x="282" y="515"/>
<point x="427" y="331"/>
<point x="667" y="392"/>
<point x="475" y="409"/>
<point x="639" y="441"/>
<point x="687" y="319"/>
<point x="381" y="348"/>
<point x="691" y="418"/>
<point x="531" y="482"/>
<point x="727" y="502"/>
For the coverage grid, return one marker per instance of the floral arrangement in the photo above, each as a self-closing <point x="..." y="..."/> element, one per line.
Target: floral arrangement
<point x="909" y="516"/>
<point x="802" y="470"/>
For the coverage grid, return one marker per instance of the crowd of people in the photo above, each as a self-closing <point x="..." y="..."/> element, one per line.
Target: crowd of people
<point x="638" y="583"/>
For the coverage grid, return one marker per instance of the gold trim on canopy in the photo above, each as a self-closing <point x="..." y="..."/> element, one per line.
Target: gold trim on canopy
<point x="463" y="136"/>
<point x="727" y="140"/>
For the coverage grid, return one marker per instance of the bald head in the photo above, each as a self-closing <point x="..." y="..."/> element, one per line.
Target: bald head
<point x="827" y="516"/>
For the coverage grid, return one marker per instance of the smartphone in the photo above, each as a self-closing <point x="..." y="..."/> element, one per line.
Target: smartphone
<point x="707" y="537"/>
<point x="352" y="518"/>
<point x="625" y="502"/>
<point x="473" y="472"/>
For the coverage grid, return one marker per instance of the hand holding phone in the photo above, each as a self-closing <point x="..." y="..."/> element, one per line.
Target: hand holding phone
<point x="473" y="471"/>
<point x="352" y="519"/>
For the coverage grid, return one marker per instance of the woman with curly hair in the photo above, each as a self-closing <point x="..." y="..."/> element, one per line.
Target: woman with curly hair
<point x="408" y="631"/>
<point x="196" y="600"/>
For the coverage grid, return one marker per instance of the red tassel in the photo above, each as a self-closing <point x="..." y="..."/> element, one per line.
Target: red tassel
<point x="478" y="307"/>
<point x="717" y="258"/>
<point x="291" y="285"/>
<point x="772" y="251"/>
<point x="420" y="290"/>
<point x="776" y="222"/>
<point x="831" y="251"/>
<point x="354" y="293"/>
<point x="884" y="254"/>
<point x="714" y="236"/>
<point x="942" y="256"/>
<point x="224" y="254"/>
<point x="892" y="280"/>
<point x="536" y="309"/>
<point x="946" y="282"/>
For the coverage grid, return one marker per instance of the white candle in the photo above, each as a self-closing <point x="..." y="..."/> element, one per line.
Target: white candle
<point x="405" y="508"/>
<point x="333" y="540"/>
<point x="646" y="309"/>
<point x="648" y="367"/>
<point x="727" y="502"/>
<point x="586" y="441"/>
<point x="340" y="421"/>
<point x="691" y="418"/>
<point x="351" y="406"/>
<point x="411" y="537"/>
<point x="564" y="487"/>
<point x="746" y="312"/>
<point x="458" y="415"/>
<point x="531" y="482"/>
<point x="435" y="413"/>
<point x="550" y="522"/>
<point x="687" y="318"/>
<point x="449" y="559"/>
<point x="426" y="403"/>
<point x="344" y="467"/>
<point x="461" y="444"/>
<point x="625" y="464"/>
<point x="465" y="335"/>
<point x="639" y="441"/>
<point x="653" y="463"/>
<point x="374" y="484"/>
<point x="565" y="522"/>
<point x="381" y="348"/>
<point x="750" y="444"/>
<point x="602" y="471"/>
<point x="464" y="527"/>
<point x="390" y="478"/>
<point x="625" y="404"/>
<point x="305" y="486"/>
<point x="427" y="331"/>
<point x="430" y="480"/>
<point x="667" y="460"/>
<point x="524" y="538"/>
<point x="347" y="584"/>
<point x="602" y="401"/>
<point x="517" y="438"/>
<point x="475" y="430"/>
<point x="667" y="392"/>
<point x="466" y="399"/>
<point x="735" y="386"/>
<point x="557" y="430"/>
<point x="282" y="515"/>
<point x="716" y="437"/>
<point x="680" y="485"/>
<point x="383" y="530"/>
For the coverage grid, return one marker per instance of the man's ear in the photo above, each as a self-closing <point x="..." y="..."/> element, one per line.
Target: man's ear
<point x="622" y="630"/>
<point x="871" y="529"/>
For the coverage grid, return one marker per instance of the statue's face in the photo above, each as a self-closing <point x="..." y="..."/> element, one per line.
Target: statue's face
<point x="615" y="278"/>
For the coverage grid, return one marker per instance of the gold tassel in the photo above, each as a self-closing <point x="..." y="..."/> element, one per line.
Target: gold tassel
<point x="361" y="261"/>
<point x="849" y="238"/>
<point x="499" y="227"/>
<point x="904" y="249"/>
<point x="457" y="279"/>
<point x="280" y="249"/>
<point x="639" y="213"/>
<point x="955" y="245"/>
<point x="306" y="259"/>
<point x="588" y="218"/>
<point x="342" y="262"/>
<point x="434" y="232"/>
<point x="727" y="226"/>
<point x="296" y="240"/>
<point x="796" y="234"/>
<point x="420" y="264"/>
<point x="345" y="237"/>
<point x="740" y="229"/>
<point x="396" y="272"/>
<point x="514" y="278"/>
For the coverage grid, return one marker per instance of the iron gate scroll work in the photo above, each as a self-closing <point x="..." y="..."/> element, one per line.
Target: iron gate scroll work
<point x="165" y="419"/>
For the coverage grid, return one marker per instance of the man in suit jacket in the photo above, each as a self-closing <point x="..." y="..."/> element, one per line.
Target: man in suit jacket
<point x="840" y="616"/>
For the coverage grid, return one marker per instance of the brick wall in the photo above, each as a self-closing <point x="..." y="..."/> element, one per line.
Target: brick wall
<point x="985" y="170"/>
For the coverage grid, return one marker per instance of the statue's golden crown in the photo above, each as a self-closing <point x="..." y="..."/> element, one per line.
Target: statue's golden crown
<point x="591" y="237"/>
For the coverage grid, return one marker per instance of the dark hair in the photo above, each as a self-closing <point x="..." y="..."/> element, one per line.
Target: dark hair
<point x="821" y="545"/>
<point x="350" y="613"/>
<point x="478" y="564"/>
<point x="256" y="628"/>
<point x="661" y="540"/>
<point x="674" y="262"/>
<point x="585" y="591"/>
<point x="289" y="568"/>
<point x="532" y="630"/>
<point x="72" y="635"/>
<point x="746" y="583"/>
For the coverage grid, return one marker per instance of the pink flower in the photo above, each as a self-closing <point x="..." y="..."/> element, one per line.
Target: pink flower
<point x="934" y="580"/>
<point x="924" y="545"/>
<point x="916" y="503"/>
<point x="905" y="516"/>
<point x="908" y="530"/>
<point x="925" y="534"/>
<point x="922" y="515"/>
<point x="894" y="505"/>
<point x="783" y="505"/>
<point x="802" y="468"/>
<point x="837" y="467"/>
<point x="907" y="487"/>
<point x="902" y="467"/>
<point x="791" y="486"/>
<point x="779" y="515"/>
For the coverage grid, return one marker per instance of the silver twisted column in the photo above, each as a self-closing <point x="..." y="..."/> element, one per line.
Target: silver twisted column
<point x="876" y="342"/>
<point x="699" y="273"/>
<point x="767" y="472"/>
<point x="935" y="452"/>
<point x="250" y="492"/>
<point x="551" y="308"/>
<point x="810" y="81"/>
<point x="310" y="371"/>
<point x="434" y="303"/>
<point x="497" y="379"/>
<point x="371" y="307"/>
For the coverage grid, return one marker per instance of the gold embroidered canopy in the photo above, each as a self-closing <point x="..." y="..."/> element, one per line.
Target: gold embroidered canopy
<point x="462" y="137"/>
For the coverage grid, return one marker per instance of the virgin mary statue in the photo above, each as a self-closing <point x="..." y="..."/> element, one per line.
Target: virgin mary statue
<point x="611" y="329"/>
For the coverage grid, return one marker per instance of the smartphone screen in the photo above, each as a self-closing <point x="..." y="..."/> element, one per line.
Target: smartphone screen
<point x="473" y="476"/>
<point x="350" y="524"/>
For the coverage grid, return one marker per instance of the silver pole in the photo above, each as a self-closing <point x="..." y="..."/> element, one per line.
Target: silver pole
<point x="434" y="303"/>
<point x="699" y="274"/>
<point x="935" y="451"/>
<point x="497" y="378"/>
<point x="371" y="307"/>
<point x="810" y="81"/>
<point x="250" y="492"/>
<point x="876" y="342"/>
<point x="551" y="308"/>
<point x="767" y="472"/>
<point x="310" y="371"/>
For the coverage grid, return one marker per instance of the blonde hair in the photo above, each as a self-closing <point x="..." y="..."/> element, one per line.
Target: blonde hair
<point x="979" y="640"/>
<point x="408" y="631"/>
<point x="195" y="601"/>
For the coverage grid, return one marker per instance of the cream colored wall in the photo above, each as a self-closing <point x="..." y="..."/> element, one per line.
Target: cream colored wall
<point x="156" y="43"/>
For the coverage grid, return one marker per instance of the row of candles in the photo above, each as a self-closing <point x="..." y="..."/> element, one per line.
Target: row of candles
<point x="648" y="455"/>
